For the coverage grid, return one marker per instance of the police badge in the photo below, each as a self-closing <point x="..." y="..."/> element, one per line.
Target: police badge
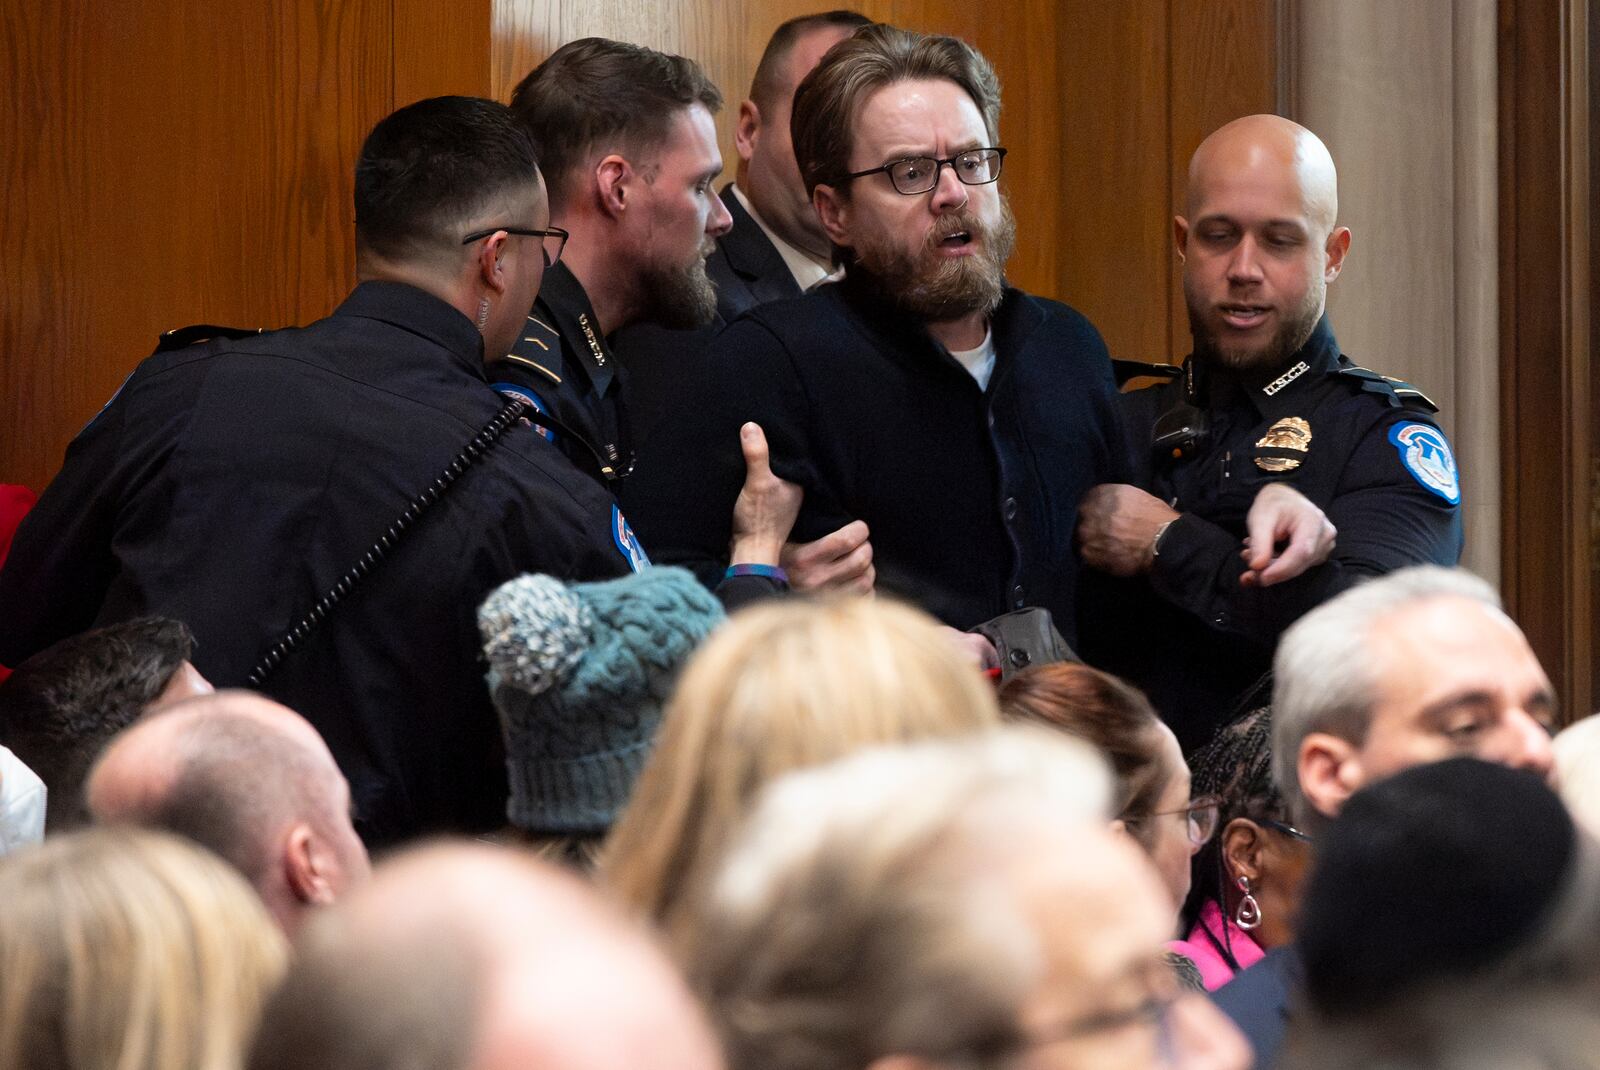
<point x="1285" y="438"/>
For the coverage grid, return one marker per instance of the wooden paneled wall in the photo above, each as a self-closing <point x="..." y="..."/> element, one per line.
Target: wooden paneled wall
<point x="174" y="161"/>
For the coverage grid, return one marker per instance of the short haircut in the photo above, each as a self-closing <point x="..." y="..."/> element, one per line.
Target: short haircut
<point x="829" y="100"/>
<point x="239" y="779"/>
<point x="768" y="80"/>
<point x="596" y="95"/>
<point x="1111" y="716"/>
<point x="1324" y="673"/>
<point x="430" y="169"/>
<point x="866" y="910"/>
<point x="61" y="706"/>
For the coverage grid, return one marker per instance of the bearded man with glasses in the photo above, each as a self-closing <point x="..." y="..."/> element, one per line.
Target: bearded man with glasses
<point x="955" y="417"/>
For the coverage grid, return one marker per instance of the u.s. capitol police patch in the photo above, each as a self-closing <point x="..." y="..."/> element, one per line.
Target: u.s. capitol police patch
<point x="1426" y="455"/>
<point x="514" y="390"/>
<point x="627" y="542"/>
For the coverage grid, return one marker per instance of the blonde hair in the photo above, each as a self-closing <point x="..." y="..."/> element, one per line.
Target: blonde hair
<point x="780" y="687"/>
<point x="123" y="949"/>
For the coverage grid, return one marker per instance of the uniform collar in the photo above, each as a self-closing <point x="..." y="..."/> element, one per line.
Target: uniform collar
<point x="421" y="313"/>
<point x="1268" y="389"/>
<point x="563" y="298"/>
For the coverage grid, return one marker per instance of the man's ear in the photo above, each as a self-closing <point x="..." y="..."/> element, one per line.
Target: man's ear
<point x="745" y="129"/>
<point x="1180" y="236"/>
<point x="1338" y="246"/>
<point x="1241" y="843"/>
<point x="491" y="252"/>
<point x="1329" y="770"/>
<point x="613" y="177"/>
<point x="308" y="866"/>
<point x="833" y="209"/>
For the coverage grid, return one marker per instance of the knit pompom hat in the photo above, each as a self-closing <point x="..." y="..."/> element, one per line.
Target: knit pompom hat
<point x="579" y="673"/>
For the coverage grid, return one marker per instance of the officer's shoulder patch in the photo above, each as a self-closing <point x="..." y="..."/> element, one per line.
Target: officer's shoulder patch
<point x="1397" y="392"/>
<point x="515" y="390"/>
<point x="1425" y="453"/>
<point x="627" y="542"/>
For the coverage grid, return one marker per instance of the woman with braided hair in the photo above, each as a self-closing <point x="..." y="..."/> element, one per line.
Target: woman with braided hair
<point x="1246" y="884"/>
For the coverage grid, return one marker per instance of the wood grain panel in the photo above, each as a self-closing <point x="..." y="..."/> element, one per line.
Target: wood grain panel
<point x="1546" y="383"/>
<point x="1224" y="56"/>
<point x="441" y="49"/>
<point x="210" y="184"/>
<point x="1115" y="232"/>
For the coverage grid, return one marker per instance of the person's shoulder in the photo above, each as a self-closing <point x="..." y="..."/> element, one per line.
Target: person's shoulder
<point x="1383" y="391"/>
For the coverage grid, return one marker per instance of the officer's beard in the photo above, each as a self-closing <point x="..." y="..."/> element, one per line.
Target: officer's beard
<point x="680" y="297"/>
<point x="1286" y="341"/>
<point x="938" y="288"/>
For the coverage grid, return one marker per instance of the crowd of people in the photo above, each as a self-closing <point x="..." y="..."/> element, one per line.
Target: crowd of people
<point x="749" y="633"/>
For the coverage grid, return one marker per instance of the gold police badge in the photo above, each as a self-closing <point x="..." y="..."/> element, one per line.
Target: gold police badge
<point x="1290" y="433"/>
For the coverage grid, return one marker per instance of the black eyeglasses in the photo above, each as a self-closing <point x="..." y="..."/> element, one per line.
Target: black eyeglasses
<point x="919" y="174"/>
<point x="1288" y="830"/>
<point x="546" y="236"/>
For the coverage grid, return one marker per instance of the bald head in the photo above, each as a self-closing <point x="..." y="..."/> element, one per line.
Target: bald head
<point x="468" y="957"/>
<point x="247" y="778"/>
<point x="1268" y="150"/>
<point x="1259" y="241"/>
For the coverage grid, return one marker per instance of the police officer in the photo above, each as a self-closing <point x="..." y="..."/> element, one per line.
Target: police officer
<point x="1272" y="472"/>
<point x="234" y="484"/>
<point x="629" y="149"/>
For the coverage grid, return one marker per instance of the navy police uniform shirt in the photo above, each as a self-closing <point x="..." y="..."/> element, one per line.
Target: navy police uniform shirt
<point x="970" y="494"/>
<point x="232" y="483"/>
<point x="1364" y="448"/>
<point x="562" y="366"/>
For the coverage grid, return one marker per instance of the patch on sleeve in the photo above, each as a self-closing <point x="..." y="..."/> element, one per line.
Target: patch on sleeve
<point x="627" y="542"/>
<point x="1426" y="455"/>
<point x="516" y="391"/>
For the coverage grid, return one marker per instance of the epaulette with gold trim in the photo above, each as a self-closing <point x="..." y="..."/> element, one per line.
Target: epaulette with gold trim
<point x="184" y="337"/>
<point x="538" y="347"/>
<point x="1397" y="391"/>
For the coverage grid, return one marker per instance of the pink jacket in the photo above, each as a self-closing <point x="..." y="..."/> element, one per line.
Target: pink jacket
<point x="1210" y="934"/>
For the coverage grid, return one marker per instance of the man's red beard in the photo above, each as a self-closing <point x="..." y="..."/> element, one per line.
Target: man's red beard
<point x="1291" y="334"/>
<point x="939" y="288"/>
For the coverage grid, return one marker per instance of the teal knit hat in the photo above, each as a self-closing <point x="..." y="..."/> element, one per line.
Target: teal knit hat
<point x="579" y="673"/>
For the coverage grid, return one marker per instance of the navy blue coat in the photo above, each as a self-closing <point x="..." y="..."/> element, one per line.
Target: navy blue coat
<point x="971" y="495"/>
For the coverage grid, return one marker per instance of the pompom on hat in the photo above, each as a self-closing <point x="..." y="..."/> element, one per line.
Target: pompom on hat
<point x="579" y="673"/>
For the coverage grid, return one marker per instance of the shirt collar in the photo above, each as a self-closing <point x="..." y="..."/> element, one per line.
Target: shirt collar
<point x="566" y="302"/>
<point x="1267" y="388"/>
<point x="805" y="269"/>
<point x="421" y="313"/>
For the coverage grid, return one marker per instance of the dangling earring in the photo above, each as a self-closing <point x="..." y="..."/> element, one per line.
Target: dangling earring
<point x="483" y="313"/>
<point x="1248" y="916"/>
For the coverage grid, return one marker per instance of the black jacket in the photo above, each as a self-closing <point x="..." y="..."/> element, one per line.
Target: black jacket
<point x="971" y="496"/>
<point x="747" y="270"/>
<point x="1188" y="633"/>
<point x="230" y="484"/>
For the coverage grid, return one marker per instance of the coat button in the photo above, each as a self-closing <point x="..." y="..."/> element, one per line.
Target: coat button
<point x="1020" y="658"/>
<point x="1009" y="509"/>
<point x="1016" y="596"/>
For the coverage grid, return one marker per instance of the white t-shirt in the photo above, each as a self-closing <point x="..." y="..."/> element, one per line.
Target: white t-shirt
<point x="22" y="799"/>
<point x="979" y="362"/>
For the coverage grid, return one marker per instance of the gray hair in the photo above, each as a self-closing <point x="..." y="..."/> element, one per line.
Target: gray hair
<point x="1325" y="676"/>
<point x="864" y="909"/>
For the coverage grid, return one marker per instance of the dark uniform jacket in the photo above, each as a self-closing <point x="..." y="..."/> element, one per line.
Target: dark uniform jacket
<point x="747" y="270"/>
<point x="230" y="484"/>
<point x="562" y="365"/>
<point x="1365" y="449"/>
<point x="971" y="495"/>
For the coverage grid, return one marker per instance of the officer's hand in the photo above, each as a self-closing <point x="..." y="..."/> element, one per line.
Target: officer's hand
<point x="1117" y="527"/>
<point x="766" y="507"/>
<point x="840" y="561"/>
<point x="1281" y="514"/>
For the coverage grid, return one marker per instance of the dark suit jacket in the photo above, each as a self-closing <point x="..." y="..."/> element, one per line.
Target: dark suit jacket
<point x="747" y="270"/>
<point x="1259" y="1001"/>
